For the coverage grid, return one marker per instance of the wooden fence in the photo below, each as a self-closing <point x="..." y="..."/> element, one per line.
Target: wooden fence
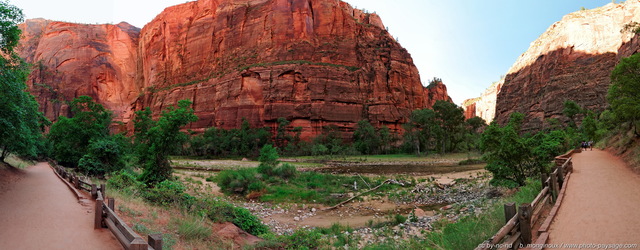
<point x="106" y="217"/>
<point x="520" y="223"/>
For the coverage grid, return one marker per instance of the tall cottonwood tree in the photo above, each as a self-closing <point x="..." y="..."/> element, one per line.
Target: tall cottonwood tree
<point x="20" y="121"/>
<point x="156" y="140"/>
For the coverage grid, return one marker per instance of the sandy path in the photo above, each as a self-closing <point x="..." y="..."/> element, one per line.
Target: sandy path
<point x="40" y="212"/>
<point x="601" y="204"/>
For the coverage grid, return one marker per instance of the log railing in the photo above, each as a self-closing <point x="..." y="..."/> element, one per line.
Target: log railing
<point x="519" y="225"/>
<point x="106" y="217"/>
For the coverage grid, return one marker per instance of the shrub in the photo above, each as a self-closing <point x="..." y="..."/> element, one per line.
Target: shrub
<point x="248" y="222"/>
<point x="193" y="229"/>
<point x="239" y="181"/>
<point x="125" y="181"/>
<point x="303" y="239"/>
<point x="268" y="160"/>
<point x="168" y="193"/>
<point x="286" y="171"/>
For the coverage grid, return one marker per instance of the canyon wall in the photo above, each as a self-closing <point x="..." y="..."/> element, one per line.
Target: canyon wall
<point x="485" y="105"/>
<point x="313" y="62"/>
<point x="70" y="60"/>
<point x="572" y="60"/>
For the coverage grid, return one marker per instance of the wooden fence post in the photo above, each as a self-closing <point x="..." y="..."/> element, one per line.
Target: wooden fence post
<point x="94" y="191"/>
<point x="98" y="215"/>
<point x="554" y="186"/>
<point x="524" y="217"/>
<point x="76" y="182"/>
<point x="102" y="189"/>
<point x="561" y="170"/>
<point x="509" y="211"/>
<point x="112" y="204"/>
<point x="155" y="241"/>
<point x="138" y="244"/>
<point x="544" y="177"/>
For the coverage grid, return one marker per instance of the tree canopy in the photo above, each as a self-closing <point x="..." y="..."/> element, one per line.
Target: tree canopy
<point x="624" y="92"/>
<point x="156" y="140"/>
<point x="20" y="120"/>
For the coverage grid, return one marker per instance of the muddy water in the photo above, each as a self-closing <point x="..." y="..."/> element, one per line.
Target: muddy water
<point x="409" y="169"/>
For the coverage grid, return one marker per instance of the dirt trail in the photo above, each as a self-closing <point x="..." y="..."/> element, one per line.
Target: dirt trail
<point x="38" y="211"/>
<point x="601" y="204"/>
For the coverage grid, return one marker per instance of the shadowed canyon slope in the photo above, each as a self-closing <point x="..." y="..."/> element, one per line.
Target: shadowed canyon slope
<point x="313" y="62"/>
<point x="572" y="60"/>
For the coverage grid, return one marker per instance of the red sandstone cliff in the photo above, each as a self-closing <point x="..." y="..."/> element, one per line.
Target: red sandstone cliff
<point x="485" y="105"/>
<point x="77" y="59"/>
<point x="314" y="62"/>
<point x="572" y="60"/>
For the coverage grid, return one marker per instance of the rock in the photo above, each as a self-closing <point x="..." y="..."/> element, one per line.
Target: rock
<point x="245" y="159"/>
<point x="313" y="210"/>
<point x="296" y="218"/>
<point x="572" y="60"/>
<point x="447" y="207"/>
<point x="314" y="62"/>
<point x="419" y="213"/>
<point x="230" y="231"/>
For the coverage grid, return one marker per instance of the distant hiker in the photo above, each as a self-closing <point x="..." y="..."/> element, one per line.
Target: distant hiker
<point x="590" y="145"/>
<point x="583" y="145"/>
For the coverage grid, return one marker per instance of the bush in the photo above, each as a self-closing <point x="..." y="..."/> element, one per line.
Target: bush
<point x="245" y="220"/>
<point x="286" y="171"/>
<point x="303" y="239"/>
<point x="169" y="193"/>
<point x="239" y="181"/>
<point x="193" y="229"/>
<point x="125" y="181"/>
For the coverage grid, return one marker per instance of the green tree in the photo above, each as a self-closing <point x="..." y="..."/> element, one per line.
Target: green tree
<point x="421" y="130"/>
<point x="71" y="137"/>
<point x="508" y="156"/>
<point x="624" y="92"/>
<point x="366" y="139"/>
<point x="268" y="160"/>
<point x="20" y="122"/>
<point x="156" y="140"/>
<point x="450" y="118"/>
<point x="589" y="126"/>
<point x="104" y="155"/>
<point x="570" y="110"/>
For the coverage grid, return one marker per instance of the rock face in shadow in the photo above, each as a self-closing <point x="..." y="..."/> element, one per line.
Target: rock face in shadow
<point x="572" y="60"/>
<point x="314" y="62"/>
<point x="70" y="60"/>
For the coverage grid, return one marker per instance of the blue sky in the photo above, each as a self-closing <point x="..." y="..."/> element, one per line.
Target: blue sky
<point x="467" y="43"/>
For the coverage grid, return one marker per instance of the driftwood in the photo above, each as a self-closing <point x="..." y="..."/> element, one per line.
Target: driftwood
<point x="358" y="195"/>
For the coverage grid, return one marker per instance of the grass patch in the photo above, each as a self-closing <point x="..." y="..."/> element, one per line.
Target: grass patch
<point x="192" y="228"/>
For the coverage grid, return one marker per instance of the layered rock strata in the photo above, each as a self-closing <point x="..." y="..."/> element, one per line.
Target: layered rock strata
<point x="314" y="62"/>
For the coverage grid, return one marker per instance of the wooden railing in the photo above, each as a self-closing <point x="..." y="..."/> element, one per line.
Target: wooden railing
<point x="105" y="215"/>
<point x="517" y="231"/>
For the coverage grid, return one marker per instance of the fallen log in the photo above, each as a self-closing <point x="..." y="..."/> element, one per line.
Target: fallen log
<point x="358" y="195"/>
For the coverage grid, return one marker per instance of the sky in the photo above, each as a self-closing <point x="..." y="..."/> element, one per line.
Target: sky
<point x="467" y="43"/>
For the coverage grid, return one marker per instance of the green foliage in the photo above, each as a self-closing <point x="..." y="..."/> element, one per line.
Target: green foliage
<point x="450" y="118"/>
<point x="71" y="137"/>
<point x="268" y="160"/>
<point x="104" y="155"/>
<point x="20" y="122"/>
<point x="330" y="142"/>
<point x="571" y="109"/>
<point x="441" y="128"/>
<point x="156" y="140"/>
<point x="169" y="193"/>
<point x="245" y="141"/>
<point x="506" y="153"/>
<point x="285" y="171"/>
<point x="366" y="139"/>
<point x="193" y="229"/>
<point x="624" y="92"/>
<point x="245" y="220"/>
<point x="239" y="181"/>
<point x="303" y="239"/>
